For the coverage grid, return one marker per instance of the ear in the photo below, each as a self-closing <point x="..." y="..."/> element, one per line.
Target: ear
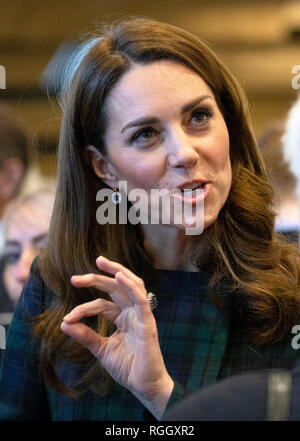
<point x="101" y="166"/>
<point x="11" y="177"/>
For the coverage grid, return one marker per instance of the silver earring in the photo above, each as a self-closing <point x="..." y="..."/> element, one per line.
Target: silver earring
<point x="116" y="196"/>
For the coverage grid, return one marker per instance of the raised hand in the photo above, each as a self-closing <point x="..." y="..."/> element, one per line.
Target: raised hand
<point x="132" y="355"/>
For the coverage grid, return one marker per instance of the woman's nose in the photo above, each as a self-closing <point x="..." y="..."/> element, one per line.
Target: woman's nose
<point x="182" y="152"/>
<point x="23" y="265"/>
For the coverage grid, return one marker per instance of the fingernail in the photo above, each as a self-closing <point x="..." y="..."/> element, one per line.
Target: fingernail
<point x="102" y="258"/>
<point x="69" y="317"/>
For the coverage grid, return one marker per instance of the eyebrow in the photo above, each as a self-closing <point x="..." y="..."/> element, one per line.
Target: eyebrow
<point x="154" y="120"/>
<point x="40" y="237"/>
<point x="35" y="240"/>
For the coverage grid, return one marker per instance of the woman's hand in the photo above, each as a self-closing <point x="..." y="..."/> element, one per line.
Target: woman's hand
<point x="132" y="355"/>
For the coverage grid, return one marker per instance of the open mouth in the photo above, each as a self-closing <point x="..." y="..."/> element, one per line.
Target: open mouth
<point x="191" y="191"/>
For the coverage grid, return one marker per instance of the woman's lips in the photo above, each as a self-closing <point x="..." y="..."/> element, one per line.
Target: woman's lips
<point x="192" y="197"/>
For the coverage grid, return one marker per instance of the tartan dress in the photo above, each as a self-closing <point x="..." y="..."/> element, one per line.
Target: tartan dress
<point x="198" y="342"/>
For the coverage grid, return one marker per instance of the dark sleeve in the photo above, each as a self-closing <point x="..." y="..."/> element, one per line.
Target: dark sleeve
<point x="179" y="392"/>
<point x="238" y="398"/>
<point x="22" y="390"/>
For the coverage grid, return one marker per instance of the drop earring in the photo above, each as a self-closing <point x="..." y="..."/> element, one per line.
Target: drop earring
<point x="116" y="196"/>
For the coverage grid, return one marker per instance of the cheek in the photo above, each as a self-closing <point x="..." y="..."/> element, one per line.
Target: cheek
<point x="9" y="276"/>
<point x="219" y="152"/>
<point x="228" y="180"/>
<point x="140" y="173"/>
<point x="225" y="174"/>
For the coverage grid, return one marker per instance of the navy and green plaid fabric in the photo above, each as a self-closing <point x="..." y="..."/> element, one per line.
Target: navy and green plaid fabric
<point x="197" y="341"/>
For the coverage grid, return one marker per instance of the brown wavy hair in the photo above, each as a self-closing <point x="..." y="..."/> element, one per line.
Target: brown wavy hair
<point x="260" y="270"/>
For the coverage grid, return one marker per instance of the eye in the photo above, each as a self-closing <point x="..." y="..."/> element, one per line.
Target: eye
<point x="11" y="258"/>
<point x="144" y="135"/>
<point x="200" y="116"/>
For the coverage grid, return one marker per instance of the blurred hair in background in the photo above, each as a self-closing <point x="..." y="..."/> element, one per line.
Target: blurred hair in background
<point x="284" y="183"/>
<point x="13" y="138"/>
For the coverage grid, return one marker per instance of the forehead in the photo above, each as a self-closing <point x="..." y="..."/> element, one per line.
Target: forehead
<point x="26" y="222"/>
<point x="152" y="87"/>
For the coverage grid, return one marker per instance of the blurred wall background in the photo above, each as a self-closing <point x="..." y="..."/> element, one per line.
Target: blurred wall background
<point x="258" y="40"/>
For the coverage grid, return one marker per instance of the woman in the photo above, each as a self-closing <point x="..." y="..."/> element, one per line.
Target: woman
<point x="26" y="225"/>
<point x="153" y="106"/>
<point x="268" y="395"/>
<point x="14" y="160"/>
<point x="283" y="181"/>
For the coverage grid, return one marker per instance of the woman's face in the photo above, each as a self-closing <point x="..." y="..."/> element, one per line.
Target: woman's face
<point x="165" y="130"/>
<point x="26" y="233"/>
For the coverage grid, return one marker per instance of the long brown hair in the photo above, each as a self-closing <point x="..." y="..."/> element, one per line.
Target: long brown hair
<point x="261" y="272"/>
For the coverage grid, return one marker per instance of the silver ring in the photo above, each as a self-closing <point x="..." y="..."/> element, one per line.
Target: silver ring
<point x="152" y="300"/>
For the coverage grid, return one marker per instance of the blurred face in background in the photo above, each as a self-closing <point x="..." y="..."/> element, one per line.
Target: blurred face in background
<point x="26" y="233"/>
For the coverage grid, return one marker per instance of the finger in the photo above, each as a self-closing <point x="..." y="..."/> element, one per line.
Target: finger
<point x="101" y="307"/>
<point x="113" y="267"/>
<point x="106" y="284"/>
<point x="137" y="295"/>
<point x="85" y="336"/>
<point x="103" y="283"/>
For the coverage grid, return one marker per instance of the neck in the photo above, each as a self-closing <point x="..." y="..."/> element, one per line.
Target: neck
<point x="169" y="248"/>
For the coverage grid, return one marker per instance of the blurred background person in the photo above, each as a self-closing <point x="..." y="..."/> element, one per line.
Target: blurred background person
<point x="291" y="143"/>
<point x="14" y="160"/>
<point x="284" y="183"/>
<point x="26" y="225"/>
